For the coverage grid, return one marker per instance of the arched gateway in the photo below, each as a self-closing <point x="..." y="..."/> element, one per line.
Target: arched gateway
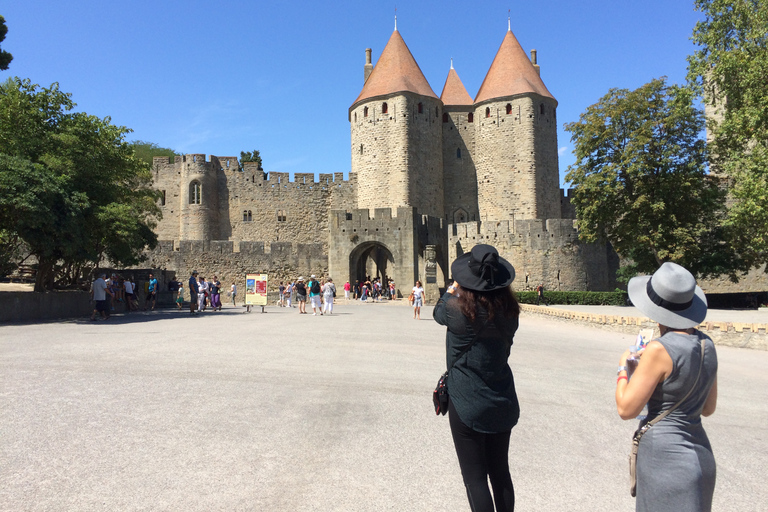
<point x="371" y="259"/>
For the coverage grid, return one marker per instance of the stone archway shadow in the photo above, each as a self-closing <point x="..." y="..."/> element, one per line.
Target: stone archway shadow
<point x="371" y="258"/>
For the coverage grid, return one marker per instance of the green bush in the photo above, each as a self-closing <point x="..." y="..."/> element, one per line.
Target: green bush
<point x="617" y="298"/>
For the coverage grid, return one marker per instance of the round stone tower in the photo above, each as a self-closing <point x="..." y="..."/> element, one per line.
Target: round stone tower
<point x="516" y="140"/>
<point x="397" y="135"/>
<point x="199" y="198"/>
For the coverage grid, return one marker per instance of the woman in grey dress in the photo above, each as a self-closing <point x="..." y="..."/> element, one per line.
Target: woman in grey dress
<point x="675" y="463"/>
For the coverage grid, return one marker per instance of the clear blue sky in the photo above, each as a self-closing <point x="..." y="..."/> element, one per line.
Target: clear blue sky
<point x="232" y="75"/>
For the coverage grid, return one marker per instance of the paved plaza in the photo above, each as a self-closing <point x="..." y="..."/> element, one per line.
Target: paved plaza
<point x="286" y="412"/>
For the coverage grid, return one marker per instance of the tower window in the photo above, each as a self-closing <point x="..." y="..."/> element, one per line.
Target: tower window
<point x="280" y="215"/>
<point x="458" y="152"/>
<point x="471" y="117"/>
<point x="247" y="216"/>
<point x="509" y="109"/>
<point x="445" y="117"/>
<point x="195" y="193"/>
<point x="487" y="112"/>
<point x="365" y="112"/>
<point x="384" y="108"/>
<point x="542" y="110"/>
<point x="355" y="116"/>
<point x="421" y="108"/>
<point x="436" y="113"/>
<point x="361" y="149"/>
<point x="162" y="198"/>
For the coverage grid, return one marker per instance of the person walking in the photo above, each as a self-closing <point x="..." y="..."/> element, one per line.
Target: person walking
<point x="99" y="292"/>
<point x="481" y="316"/>
<point x="194" y="289"/>
<point x="281" y="293"/>
<point x="288" y="294"/>
<point x="540" y="295"/>
<point x="329" y="292"/>
<point x="202" y="293"/>
<point x="301" y="296"/>
<point x="347" y="287"/>
<point x="180" y="297"/>
<point x="233" y="293"/>
<point x="151" y="293"/>
<point x="677" y="378"/>
<point x="215" y="291"/>
<point x="129" y="298"/>
<point x="315" y="293"/>
<point x="418" y="300"/>
<point x="392" y="292"/>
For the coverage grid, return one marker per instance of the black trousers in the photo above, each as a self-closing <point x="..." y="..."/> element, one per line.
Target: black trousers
<point x="483" y="457"/>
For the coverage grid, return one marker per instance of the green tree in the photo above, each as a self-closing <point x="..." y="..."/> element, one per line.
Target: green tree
<point x="5" y="57"/>
<point x="730" y="71"/>
<point x="146" y="151"/>
<point x="71" y="188"/>
<point x="640" y="179"/>
<point x="250" y="156"/>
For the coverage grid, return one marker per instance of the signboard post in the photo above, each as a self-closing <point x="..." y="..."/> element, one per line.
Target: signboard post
<point x="255" y="291"/>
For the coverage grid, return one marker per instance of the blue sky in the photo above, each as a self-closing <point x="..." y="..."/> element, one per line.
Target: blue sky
<point x="234" y="75"/>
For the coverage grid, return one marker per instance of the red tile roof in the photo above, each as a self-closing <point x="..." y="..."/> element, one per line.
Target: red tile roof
<point x="511" y="73"/>
<point x="396" y="71"/>
<point x="454" y="92"/>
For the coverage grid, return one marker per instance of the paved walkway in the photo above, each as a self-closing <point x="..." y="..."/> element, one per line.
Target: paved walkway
<point x="287" y="412"/>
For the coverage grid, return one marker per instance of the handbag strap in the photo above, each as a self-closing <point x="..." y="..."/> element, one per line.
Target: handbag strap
<point x="663" y="415"/>
<point x="466" y="349"/>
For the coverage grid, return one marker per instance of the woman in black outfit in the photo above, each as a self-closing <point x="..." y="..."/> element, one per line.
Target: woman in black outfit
<point x="481" y="314"/>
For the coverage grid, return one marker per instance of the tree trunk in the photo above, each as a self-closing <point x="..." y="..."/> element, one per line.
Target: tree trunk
<point x="44" y="276"/>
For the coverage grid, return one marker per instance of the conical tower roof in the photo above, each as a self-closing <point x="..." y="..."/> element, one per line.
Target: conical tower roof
<point x="454" y="92"/>
<point x="396" y="71"/>
<point x="511" y="73"/>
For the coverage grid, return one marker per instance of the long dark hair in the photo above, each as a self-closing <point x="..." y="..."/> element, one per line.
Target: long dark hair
<point x="497" y="302"/>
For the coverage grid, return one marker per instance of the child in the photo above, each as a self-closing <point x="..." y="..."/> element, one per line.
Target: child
<point x="180" y="296"/>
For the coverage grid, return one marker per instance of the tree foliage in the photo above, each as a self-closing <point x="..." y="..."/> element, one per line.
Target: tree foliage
<point x="640" y="179"/>
<point x="71" y="189"/>
<point x="5" y="57"/>
<point x="250" y="156"/>
<point x="730" y="70"/>
<point x="146" y="151"/>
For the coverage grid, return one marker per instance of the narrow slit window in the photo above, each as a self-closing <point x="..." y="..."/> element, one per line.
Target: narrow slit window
<point x="445" y="117"/>
<point x="470" y="117"/>
<point x="487" y="112"/>
<point x="509" y="108"/>
<point x="384" y="108"/>
<point x="365" y="112"/>
<point x="458" y="152"/>
<point x="421" y="108"/>
<point x="195" y="193"/>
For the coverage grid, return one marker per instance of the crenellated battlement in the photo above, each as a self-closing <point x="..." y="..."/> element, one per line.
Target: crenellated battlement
<point x="227" y="247"/>
<point x="538" y="233"/>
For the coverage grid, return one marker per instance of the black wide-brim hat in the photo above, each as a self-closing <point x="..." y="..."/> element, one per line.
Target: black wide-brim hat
<point x="482" y="269"/>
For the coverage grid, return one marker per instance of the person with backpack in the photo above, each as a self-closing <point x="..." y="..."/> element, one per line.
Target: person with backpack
<point x="301" y="296"/>
<point x="315" y="293"/>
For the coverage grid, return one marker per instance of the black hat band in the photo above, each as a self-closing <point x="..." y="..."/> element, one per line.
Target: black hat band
<point x="672" y="306"/>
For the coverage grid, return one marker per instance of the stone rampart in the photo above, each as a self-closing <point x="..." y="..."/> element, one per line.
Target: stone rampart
<point x="282" y="261"/>
<point x="732" y="334"/>
<point x="542" y="251"/>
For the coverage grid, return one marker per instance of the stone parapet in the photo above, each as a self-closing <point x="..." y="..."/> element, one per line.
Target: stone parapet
<point x="732" y="334"/>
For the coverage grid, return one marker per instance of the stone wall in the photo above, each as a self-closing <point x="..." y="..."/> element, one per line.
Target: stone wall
<point x="547" y="252"/>
<point x="459" y="170"/>
<point x="397" y="155"/>
<point x="283" y="261"/>
<point x="35" y="307"/>
<point x="240" y="204"/>
<point x="516" y="159"/>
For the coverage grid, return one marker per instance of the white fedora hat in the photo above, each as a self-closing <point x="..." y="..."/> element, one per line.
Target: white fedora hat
<point x="670" y="297"/>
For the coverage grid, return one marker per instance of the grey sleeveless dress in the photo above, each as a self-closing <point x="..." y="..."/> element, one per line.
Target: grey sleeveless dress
<point x="675" y="463"/>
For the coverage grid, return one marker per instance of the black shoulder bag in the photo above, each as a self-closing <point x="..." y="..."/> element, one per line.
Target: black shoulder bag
<point x="440" y="394"/>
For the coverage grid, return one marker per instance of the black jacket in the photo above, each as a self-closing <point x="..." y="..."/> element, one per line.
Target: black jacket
<point x="480" y="384"/>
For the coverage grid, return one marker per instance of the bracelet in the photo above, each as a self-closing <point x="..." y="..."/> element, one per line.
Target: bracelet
<point x="621" y="377"/>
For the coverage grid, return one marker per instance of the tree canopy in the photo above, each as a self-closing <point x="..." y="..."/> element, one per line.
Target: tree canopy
<point x="71" y="190"/>
<point x="730" y="71"/>
<point x="146" y="151"/>
<point x="5" y="57"/>
<point x="640" y="179"/>
<point x="250" y="156"/>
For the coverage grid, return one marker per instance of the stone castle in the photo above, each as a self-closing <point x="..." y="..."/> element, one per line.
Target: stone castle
<point x="430" y="178"/>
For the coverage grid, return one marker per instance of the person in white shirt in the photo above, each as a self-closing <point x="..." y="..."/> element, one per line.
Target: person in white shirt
<point x="329" y="290"/>
<point x="418" y="300"/>
<point x="128" y="285"/>
<point x="99" y="291"/>
<point x="202" y="290"/>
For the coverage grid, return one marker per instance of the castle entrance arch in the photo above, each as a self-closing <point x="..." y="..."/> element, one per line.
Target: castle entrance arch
<point x="371" y="259"/>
